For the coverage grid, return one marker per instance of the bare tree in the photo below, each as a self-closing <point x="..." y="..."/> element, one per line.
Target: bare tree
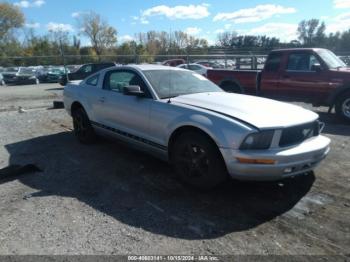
<point x="311" y="32"/>
<point x="226" y="39"/>
<point x="101" y="35"/>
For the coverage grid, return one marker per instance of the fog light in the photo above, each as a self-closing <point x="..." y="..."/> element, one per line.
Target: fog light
<point x="256" y="161"/>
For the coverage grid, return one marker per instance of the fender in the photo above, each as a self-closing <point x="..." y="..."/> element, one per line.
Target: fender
<point x="224" y="137"/>
<point x="333" y="96"/>
<point x="201" y="122"/>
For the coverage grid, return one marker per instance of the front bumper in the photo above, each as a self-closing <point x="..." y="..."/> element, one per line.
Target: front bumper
<point x="18" y="81"/>
<point x="289" y="161"/>
<point x="53" y="78"/>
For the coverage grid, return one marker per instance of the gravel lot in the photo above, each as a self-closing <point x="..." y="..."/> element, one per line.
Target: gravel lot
<point x="109" y="199"/>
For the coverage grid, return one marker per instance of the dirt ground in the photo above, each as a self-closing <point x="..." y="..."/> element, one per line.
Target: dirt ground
<point x="108" y="199"/>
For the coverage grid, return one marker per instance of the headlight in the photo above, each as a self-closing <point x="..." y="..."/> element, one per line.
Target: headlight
<point x="258" y="141"/>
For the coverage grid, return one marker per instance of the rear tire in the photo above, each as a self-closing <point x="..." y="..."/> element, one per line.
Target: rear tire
<point x="83" y="129"/>
<point x="231" y="87"/>
<point x="198" y="161"/>
<point x="342" y="106"/>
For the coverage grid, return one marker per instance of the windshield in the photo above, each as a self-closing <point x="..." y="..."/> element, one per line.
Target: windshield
<point x="331" y="59"/>
<point x="173" y="83"/>
<point x="11" y="70"/>
<point x="26" y="71"/>
<point x="56" y="71"/>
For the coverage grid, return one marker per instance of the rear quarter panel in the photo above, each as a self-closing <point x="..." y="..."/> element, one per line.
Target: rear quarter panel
<point x="75" y="92"/>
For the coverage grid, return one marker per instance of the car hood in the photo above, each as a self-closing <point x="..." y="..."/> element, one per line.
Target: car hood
<point x="342" y="69"/>
<point x="18" y="75"/>
<point x="259" y="112"/>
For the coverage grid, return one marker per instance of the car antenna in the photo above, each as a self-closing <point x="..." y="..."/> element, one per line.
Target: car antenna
<point x="169" y="95"/>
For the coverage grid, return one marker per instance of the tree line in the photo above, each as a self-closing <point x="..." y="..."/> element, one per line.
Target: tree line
<point x="18" y="41"/>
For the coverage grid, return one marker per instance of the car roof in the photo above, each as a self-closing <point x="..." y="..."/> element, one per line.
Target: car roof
<point x="297" y="49"/>
<point x="141" y="68"/>
<point x="149" y="67"/>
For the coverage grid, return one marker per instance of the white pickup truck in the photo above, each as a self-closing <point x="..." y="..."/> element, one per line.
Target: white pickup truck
<point x="206" y="133"/>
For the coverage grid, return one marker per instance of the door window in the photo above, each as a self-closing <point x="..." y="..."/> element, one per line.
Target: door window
<point x="302" y="62"/>
<point x="86" y="69"/>
<point x="117" y="80"/>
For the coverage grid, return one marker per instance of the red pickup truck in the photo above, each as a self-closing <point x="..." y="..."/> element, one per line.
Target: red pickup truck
<point x="310" y="75"/>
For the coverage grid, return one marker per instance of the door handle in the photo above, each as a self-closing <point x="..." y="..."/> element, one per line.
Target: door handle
<point x="286" y="76"/>
<point x="102" y="99"/>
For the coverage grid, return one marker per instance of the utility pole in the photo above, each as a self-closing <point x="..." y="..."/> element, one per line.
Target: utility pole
<point x="63" y="59"/>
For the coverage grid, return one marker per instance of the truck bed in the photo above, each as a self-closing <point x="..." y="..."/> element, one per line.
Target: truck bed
<point x="244" y="79"/>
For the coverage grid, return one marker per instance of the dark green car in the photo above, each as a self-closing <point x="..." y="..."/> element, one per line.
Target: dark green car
<point x="51" y="75"/>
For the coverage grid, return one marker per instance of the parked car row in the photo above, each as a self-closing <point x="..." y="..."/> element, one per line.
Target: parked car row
<point x="19" y="76"/>
<point x="31" y="75"/>
<point x="83" y="72"/>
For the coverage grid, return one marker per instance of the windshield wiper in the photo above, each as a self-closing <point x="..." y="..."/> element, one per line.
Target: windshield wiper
<point x="169" y="97"/>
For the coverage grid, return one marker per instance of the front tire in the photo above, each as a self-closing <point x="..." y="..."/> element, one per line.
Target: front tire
<point x="2" y="83"/>
<point x="36" y="81"/>
<point x="198" y="161"/>
<point x="342" y="106"/>
<point x="83" y="129"/>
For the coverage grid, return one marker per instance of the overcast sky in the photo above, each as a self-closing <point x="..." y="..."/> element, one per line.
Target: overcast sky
<point x="200" y="18"/>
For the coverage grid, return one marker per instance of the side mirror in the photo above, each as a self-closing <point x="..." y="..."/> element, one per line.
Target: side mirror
<point x="316" y="68"/>
<point x="133" y="91"/>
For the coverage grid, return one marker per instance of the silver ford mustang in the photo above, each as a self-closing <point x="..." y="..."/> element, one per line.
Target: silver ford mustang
<point x="206" y="133"/>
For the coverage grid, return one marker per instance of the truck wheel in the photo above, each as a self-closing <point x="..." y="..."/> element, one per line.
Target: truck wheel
<point x="37" y="81"/>
<point x="342" y="106"/>
<point x="231" y="87"/>
<point x="63" y="81"/>
<point x="83" y="129"/>
<point x="2" y="82"/>
<point x="198" y="161"/>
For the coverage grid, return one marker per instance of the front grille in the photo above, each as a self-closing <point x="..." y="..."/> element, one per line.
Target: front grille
<point x="297" y="134"/>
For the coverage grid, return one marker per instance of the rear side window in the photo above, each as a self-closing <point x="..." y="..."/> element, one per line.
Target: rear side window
<point x="273" y="62"/>
<point x="92" y="81"/>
